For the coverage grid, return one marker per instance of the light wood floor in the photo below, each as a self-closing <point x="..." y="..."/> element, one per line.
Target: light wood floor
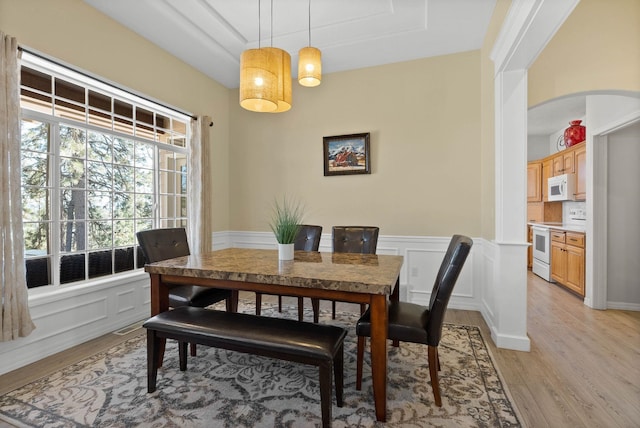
<point x="583" y="369"/>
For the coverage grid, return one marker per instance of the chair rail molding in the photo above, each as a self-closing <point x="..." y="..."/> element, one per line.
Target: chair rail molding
<point x="422" y="258"/>
<point x="70" y="315"/>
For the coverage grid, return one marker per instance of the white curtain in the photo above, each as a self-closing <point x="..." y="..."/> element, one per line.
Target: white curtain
<point x="15" y="319"/>
<point x="199" y="182"/>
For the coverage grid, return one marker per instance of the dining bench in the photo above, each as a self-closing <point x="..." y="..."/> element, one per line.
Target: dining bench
<point x="285" y="339"/>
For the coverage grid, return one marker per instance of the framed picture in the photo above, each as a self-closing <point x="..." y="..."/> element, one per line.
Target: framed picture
<point x="346" y="154"/>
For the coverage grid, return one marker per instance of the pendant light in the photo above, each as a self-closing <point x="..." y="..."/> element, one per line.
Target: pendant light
<point x="309" y="62"/>
<point x="258" y="78"/>
<point x="283" y="64"/>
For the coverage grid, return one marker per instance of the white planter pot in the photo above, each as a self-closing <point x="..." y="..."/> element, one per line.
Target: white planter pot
<point x="285" y="251"/>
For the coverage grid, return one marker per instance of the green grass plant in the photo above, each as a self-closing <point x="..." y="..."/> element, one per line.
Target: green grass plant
<point x="286" y="219"/>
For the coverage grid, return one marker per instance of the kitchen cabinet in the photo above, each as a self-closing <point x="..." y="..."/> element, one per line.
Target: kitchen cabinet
<point x="563" y="162"/>
<point x="567" y="260"/>
<point x="534" y="181"/>
<point x="569" y="161"/>
<point x="580" y="162"/>
<point x="547" y="171"/>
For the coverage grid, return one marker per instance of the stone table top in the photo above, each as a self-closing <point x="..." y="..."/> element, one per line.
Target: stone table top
<point x="359" y="273"/>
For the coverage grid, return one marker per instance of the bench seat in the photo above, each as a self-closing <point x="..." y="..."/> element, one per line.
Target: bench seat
<point x="284" y="339"/>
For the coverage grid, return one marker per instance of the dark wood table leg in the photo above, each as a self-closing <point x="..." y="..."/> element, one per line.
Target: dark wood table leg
<point x="379" y="320"/>
<point x="395" y="296"/>
<point x="159" y="303"/>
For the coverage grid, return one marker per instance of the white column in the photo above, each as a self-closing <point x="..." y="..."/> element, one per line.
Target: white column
<point x="509" y="329"/>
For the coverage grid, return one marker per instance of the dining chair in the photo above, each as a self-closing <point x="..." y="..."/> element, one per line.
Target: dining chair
<point x="352" y="239"/>
<point x="409" y="322"/>
<point x="163" y="244"/>
<point x="307" y="239"/>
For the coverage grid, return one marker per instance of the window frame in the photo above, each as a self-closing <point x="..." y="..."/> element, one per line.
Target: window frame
<point x="181" y="149"/>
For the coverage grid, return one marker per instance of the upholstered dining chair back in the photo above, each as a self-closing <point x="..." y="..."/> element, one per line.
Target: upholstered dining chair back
<point x="355" y="239"/>
<point x="411" y="322"/>
<point x="163" y="244"/>
<point x="452" y="263"/>
<point x="308" y="238"/>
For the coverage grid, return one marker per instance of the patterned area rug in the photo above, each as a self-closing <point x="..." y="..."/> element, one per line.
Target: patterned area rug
<point x="229" y="389"/>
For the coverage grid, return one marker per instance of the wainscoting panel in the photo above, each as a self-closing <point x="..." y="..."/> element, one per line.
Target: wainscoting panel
<point x="422" y="258"/>
<point x="70" y="315"/>
<point x="125" y="301"/>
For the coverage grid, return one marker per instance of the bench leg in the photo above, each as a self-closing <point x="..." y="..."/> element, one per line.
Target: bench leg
<point x="182" y="350"/>
<point x="325" y="393"/>
<point x="153" y="347"/>
<point x="338" y="372"/>
<point x="258" y="303"/>
<point x="300" y="308"/>
<point x="315" y="304"/>
<point x="232" y="302"/>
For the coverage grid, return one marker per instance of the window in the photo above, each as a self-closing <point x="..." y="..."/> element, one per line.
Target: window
<point x="98" y="165"/>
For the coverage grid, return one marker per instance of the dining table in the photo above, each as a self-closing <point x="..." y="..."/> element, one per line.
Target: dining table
<point x="346" y="277"/>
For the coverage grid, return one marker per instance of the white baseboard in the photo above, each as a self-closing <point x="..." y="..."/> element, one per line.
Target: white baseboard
<point x="623" y="306"/>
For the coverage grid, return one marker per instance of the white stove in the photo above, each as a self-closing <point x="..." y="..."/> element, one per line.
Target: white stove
<point x="541" y="252"/>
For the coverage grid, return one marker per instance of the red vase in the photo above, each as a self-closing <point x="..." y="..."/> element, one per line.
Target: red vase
<point x="574" y="134"/>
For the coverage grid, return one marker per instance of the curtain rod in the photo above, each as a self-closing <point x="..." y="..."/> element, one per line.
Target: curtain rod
<point x="102" y="80"/>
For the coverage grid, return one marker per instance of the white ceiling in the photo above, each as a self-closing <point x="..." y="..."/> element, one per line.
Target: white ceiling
<point x="211" y="34"/>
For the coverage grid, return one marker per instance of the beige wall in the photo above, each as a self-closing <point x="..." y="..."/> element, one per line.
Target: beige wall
<point x="424" y="120"/>
<point x="596" y="49"/>
<point x="77" y="34"/>
<point x="431" y="125"/>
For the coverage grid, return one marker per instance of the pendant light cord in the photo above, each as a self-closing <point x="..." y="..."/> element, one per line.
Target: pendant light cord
<point x="271" y="23"/>
<point x="309" y="22"/>
<point x="259" y="29"/>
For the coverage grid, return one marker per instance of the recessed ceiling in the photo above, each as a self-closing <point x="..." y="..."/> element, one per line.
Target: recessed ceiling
<point x="210" y="35"/>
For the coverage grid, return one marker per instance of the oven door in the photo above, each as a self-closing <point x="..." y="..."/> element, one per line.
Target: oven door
<point x="541" y="244"/>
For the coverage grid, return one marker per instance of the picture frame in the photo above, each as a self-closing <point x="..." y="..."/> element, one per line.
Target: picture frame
<point x="347" y="154"/>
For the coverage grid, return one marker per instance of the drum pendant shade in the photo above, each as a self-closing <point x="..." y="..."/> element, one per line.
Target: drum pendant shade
<point x="309" y="66"/>
<point x="259" y="80"/>
<point x="283" y="61"/>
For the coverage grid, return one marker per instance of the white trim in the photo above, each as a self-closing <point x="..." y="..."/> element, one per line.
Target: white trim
<point x="618" y="123"/>
<point x="596" y="237"/>
<point x="412" y="289"/>
<point x="527" y="28"/>
<point x="597" y="208"/>
<point x="69" y="316"/>
<point x="624" y="306"/>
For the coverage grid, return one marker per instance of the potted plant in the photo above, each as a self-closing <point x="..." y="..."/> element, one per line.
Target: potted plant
<point x="285" y="223"/>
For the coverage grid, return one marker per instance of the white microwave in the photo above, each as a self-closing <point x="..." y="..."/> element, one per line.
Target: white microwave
<point x="562" y="188"/>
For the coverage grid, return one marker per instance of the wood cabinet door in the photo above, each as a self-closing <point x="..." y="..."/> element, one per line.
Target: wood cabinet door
<point x="558" y="165"/>
<point x="581" y="172"/>
<point x="568" y="162"/>
<point x="547" y="171"/>
<point x="575" y="269"/>
<point x="558" y="262"/>
<point x="534" y="182"/>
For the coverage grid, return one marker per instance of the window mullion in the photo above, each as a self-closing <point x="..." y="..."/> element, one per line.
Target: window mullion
<point x="55" y="224"/>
